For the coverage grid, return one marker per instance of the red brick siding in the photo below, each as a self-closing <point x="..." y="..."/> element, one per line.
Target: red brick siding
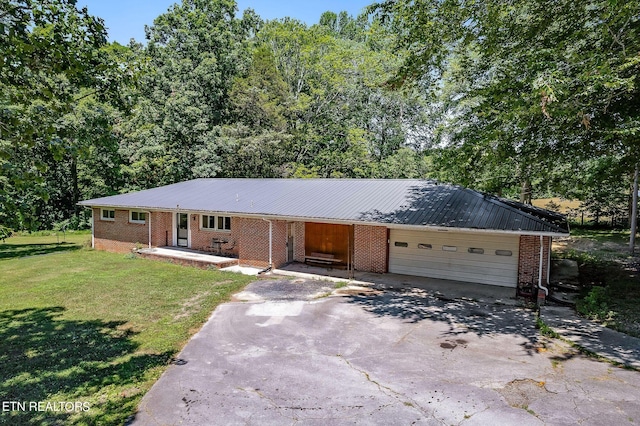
<point x="161" y="229"/>
<point x="298" y="241"/>
<point x="201" y="239"/>
<point x="370" y="248"/>
<point x="529" y="259"/>
<point x="253" y="242"/>
<point x="118" y="235"/>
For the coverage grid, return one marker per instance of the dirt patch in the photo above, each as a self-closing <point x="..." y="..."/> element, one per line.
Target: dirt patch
<point x="522" y="392"/>
<point x="353" y="290"/>
<point x="190" y="305"/>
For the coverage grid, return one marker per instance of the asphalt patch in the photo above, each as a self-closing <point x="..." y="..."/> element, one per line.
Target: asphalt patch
<point x="286" y="289"/>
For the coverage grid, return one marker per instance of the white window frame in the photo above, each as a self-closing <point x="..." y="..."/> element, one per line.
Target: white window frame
<point x="132" y="220"/>
<point x="109" y="219"/>
<point x="224" y="220"/>
<point x="216" y="219"/>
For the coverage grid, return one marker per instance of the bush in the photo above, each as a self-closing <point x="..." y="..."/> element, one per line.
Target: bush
<point x="595" y="305"/>
<point x="5" y="232"/>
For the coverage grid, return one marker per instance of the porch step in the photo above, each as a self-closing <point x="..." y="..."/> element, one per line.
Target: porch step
<point x="187" y="257"/>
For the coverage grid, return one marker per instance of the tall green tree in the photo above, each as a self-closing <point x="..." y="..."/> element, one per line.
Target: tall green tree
<point x="529" y="84"/>
<point x="53" y="56"/>
<point x="341" y="118"/>
<point x="194" y="51"/>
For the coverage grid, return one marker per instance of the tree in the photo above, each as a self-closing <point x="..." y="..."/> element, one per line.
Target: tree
<point x="194" y="52"/>
<point x="341" y="118"/>
<point x="52" y="51"/>
<point x="530" y="84"/>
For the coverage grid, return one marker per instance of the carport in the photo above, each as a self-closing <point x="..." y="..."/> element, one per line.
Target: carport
<point x="328" y="244"/>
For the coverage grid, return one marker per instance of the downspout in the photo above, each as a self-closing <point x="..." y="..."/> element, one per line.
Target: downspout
<point x="93" y="237"/>
<point x="549" y="261"/>
<point x="540" y="286"/>
<point x="149" y="216"/>
<point x="270" y="244"/>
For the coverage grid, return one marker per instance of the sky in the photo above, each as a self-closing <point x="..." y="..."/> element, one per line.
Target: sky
<point x="125" y="19"/>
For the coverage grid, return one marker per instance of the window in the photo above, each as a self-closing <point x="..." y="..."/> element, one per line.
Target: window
<point x="400" y="244"/>
<point x="475" y="250"/>
<point x="449" y="248"/>
<point x="108" y="214"/>
<point x="208" y="222"/>
<point x="224" y="223"/>
<point x="137" y="217"/>
<point x="504" y="253"/>
<point x="216" y="223"/>
<point x="425" y="246"/>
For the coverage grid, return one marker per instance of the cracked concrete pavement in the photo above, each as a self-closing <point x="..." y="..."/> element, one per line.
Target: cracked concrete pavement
<point x="395" y="357"/>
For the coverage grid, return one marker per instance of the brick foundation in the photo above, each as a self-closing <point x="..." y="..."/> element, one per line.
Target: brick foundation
<point x="370" y="248"/>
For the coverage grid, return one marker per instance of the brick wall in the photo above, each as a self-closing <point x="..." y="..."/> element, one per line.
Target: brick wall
<point x="370" y="248"/>
<point x="253" y="242"/>
<point x="161" y="229"/>
<point x="118" y="235"/>
<point x="298" y="242"/>
<point x="529" y="259"/>
<point x="202" y="239"/>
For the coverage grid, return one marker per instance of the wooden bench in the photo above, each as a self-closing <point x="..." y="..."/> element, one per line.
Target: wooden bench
<point x="325" y="258"/>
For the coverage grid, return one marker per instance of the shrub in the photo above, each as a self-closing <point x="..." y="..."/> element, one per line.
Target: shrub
<point x="595" y="304"/>
<point x="5" y="232"/>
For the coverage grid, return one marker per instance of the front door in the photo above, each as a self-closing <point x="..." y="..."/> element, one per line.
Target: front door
<point x="182" y="222"/>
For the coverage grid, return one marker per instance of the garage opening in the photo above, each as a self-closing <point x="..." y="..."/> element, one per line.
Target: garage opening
<point x="328" y="244"/>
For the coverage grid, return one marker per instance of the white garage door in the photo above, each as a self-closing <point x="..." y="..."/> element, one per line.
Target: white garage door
<point x="481" y="258"/>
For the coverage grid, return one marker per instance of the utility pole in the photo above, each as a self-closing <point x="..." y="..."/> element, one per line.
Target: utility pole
<point x="634" y="212"/>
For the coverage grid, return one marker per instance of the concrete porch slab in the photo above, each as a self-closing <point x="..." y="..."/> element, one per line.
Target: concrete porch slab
<point x="184" y="256"/>
<point x="245" y="270"/>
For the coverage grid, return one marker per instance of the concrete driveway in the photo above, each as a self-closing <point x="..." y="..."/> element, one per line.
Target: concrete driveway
<point x="396" y="357"/>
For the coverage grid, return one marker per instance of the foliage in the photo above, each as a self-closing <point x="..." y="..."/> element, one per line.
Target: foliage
<point x="596" y="304"/>
<point x="194" y="50"/>
<point x="5" y="233"/>
<point x="510" y="98"/>
<point x="57" y="58"/>
<point x="526" y="87"/>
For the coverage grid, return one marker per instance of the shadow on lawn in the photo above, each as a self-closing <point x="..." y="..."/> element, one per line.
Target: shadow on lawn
<point x="49" y="359"/>
<point x="462" y="316"/>
<point x="10" y="251"/>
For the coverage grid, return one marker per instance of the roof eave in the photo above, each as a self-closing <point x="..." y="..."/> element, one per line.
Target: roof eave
<point x="258" y="215"/>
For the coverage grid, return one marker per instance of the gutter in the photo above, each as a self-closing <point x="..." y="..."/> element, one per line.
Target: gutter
<point x="540" y="286"/>
<point x="270" y="245"/>
<point x="93" y="238"/>
<point x="149" y="216"/>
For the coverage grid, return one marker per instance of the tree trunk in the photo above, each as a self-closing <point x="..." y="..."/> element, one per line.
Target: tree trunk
<point x="634" y="212"/>
<point x="75" y="197"/>
<point x="525" y="192"/>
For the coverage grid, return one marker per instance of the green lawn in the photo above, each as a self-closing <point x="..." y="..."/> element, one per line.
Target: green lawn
<point x="78" y="325"/>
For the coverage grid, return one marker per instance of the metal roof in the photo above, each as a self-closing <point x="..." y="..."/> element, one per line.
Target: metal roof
<point x="386" y="201"/>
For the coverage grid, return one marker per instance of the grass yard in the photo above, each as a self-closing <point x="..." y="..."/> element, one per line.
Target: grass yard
<point x="78" y="325"/>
